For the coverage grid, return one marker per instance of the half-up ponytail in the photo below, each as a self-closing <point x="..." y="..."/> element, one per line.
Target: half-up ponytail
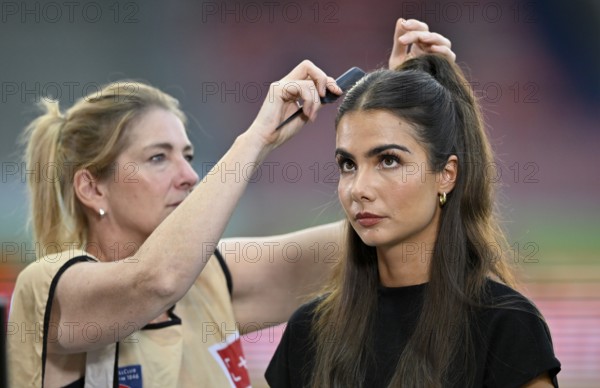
<point x="448" y="74"/>
<point x="432" y="95"/>
<point x="476" y="190"/>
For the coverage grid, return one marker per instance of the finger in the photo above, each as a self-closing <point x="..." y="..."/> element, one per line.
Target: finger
<point x="399" y="49"/>
<point x="424" y="38"/>
<point x="333" y="87"/>
<point x="398" y="32"/>
<point x="308" y="70"/>
<point x="292" y="90"/>
<point x="407" y="33"/>
<point x="300" y="71"/>
<point x="301" y="90"/>
<point x="433" y="38"/>
<point x="310" y="99"/>
<point x="445" y="51"/>
<point x="415" y="25"/>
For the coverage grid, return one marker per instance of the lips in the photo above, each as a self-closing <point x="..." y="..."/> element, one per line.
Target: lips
<point x="368" y="219"/>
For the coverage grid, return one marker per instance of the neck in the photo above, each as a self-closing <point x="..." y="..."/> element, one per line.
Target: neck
<point x="405" y="264"/>
<point x="110" y="245"/>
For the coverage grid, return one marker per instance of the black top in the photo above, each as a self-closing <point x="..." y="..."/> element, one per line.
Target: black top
<point x="512" y="345"/>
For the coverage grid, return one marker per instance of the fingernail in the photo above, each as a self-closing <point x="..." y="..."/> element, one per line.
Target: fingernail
<point x="403" y="21"/>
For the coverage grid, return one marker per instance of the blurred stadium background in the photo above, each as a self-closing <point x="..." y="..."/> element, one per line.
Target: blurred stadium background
<point x="535" y="66"/>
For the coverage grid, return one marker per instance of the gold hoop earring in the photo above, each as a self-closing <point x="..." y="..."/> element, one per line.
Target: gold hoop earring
<point x="442" y="199"/>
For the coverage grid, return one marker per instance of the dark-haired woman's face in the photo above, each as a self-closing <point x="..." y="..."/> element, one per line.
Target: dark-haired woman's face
<point x="386" y="187"/>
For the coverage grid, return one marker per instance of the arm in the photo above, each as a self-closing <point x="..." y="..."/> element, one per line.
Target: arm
<point x="269" y="288"/>
<point x="542" y="381"/>
<point x="272" y="276"/>
<point x="120" y="297"/>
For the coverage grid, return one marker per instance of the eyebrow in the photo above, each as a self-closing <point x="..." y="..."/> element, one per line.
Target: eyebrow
<point x="169" y="146"/>
<point x="374" y="151"/>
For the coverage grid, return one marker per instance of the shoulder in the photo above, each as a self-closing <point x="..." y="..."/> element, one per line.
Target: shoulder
<point x="34" y="281"/>
<point x="498" y="292"/>
<point x="293" y="360"/>
<point x="46" y="267"/>
<point x="305" y="313"/>
<point x="503" y="302"/>
<point x="508" y="313"/>
<point x="515" y="337"/>
<point x="298" y="331"/>
<point x="28" y="308"/>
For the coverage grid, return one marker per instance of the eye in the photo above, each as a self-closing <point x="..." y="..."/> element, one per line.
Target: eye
<point x="157" y="158"/>
<point x="189" y="157"/>
<point x="389" y="161"/>
<point x="346" y="165"/>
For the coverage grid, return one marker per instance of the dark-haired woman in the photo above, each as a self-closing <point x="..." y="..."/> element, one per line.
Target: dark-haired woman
<point x="129" y="290"/>
<point x="422" y="298"/>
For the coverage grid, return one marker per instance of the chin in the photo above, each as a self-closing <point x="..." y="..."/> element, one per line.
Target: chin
<point x="369" y="239"/>
<point x="370" y="244"/>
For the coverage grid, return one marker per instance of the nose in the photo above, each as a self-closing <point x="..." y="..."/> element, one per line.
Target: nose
<point x="362" y="188"/>
<point x="187" y="176"/>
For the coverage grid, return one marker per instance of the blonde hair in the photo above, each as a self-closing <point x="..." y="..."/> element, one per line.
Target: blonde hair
<point x="90" y="135"/>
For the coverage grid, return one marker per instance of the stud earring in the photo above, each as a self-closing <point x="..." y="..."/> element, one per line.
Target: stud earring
<point x="442" y="199"/>
<point x="101" y="212"/>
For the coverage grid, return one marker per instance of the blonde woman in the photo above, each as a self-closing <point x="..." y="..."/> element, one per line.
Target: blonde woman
<point x="130" y="291"/>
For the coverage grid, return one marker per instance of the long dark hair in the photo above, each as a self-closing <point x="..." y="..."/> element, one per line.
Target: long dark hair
<point x="433" y="95"/>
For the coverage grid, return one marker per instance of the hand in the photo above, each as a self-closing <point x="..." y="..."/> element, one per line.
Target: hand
<point x="423" y="42"/>
<point x="303" y="86"/>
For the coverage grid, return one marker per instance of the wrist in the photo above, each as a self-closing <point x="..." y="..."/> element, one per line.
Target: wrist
<point x="254" y="144"/>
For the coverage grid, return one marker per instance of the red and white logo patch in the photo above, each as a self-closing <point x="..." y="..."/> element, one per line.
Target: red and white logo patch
<point x="230" y="357"/>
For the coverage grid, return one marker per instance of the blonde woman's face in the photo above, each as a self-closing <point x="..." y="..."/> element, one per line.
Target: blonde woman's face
<point x="386" y="188"/>
<point x="153" y="174"/>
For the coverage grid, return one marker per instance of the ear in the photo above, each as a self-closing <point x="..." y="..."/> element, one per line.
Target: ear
<point x="89" y="191"/>
<point x="448" y="175"/>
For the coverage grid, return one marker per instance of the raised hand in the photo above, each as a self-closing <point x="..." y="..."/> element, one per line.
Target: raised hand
<point x="416" y="35"/>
